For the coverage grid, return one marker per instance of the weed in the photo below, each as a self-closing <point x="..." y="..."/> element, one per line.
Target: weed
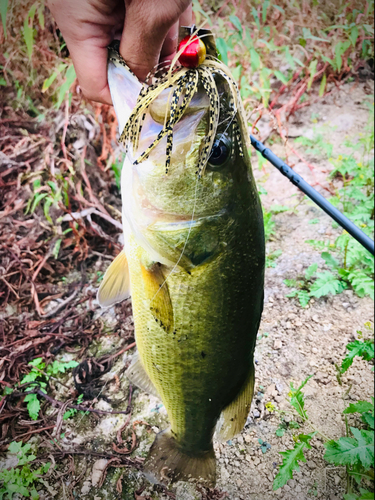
<point x="38" y="376"/>
<point x="117" y="168"/>
<point x="317" y="146"/>
<point x="264" y="446"/>
<point x="22" y="478"/>
<point x="355" y="451"/>
<point x="253" y="38"/>
<point x="70" y="413"/>
<point x="314" y="490"/>
<point x="363" y="348"/>
<point x="349" y="263"/>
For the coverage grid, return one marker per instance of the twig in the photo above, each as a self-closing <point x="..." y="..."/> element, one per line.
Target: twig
<point x="75" y="407"/>
<point x="36" y="431"/>
<point x="61" y="305"/>
<point x="52" y="378"/>
<point x="137" y="463"/>
<point x="121" y="352"/>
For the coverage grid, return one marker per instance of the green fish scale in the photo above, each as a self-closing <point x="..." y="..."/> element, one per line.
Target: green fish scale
<point x="202" y="363"/>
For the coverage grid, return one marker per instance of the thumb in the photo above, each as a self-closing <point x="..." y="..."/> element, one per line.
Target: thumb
<point x="146" y="27"/>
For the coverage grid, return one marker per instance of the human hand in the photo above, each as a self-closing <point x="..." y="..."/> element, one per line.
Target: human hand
<point x="149" y="34"/>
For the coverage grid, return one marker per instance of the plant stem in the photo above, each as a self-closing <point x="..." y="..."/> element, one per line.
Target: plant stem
<point x="52" y="378"/>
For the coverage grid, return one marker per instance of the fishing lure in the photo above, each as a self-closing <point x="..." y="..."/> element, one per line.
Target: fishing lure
<point x="195" y="63"/>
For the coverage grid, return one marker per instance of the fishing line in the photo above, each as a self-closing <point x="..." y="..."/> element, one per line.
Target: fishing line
<point x="186" y="242"/>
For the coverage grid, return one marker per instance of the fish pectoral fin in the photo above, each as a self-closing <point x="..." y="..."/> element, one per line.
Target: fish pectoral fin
<point x="115" y="286"/>
<point x="234" y="416"/>
<point x="157" y="292"/>
<point x="167" y="463"/>
<point x="139" y="377"/>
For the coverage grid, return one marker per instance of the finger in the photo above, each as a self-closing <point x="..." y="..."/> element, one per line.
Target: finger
<point x="187" y="17"/>
<point x="90" y="62"/>
<point x="170" y="43"/>
<point x="139" y="47"/>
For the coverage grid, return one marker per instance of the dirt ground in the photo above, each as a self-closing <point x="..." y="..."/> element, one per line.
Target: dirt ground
<point x="293" y="343"/>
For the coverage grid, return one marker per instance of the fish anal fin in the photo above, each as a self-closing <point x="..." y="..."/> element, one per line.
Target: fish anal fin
<point x="115" y="286"/>
<point x="138" y="376"/>
<point x="234" y="416"/>
<point x="167" y="463"/>
<point x="156" y="290"/>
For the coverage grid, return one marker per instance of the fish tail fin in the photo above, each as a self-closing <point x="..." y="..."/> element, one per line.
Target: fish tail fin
<point x="167" y="463"/>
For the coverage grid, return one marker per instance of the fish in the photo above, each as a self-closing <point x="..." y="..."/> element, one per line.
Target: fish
<point x="193" y="259"/>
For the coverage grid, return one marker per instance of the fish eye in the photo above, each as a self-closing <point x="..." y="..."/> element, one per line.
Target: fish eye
<point x="221" y="151"/>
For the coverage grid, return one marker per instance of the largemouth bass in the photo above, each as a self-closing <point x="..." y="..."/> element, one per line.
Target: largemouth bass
<point x="193" y="259"/>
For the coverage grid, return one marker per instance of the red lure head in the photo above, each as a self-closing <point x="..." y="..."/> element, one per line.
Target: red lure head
<point x="194" y="52"/>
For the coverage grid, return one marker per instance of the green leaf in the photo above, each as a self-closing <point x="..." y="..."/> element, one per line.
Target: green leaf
<point x="38" y="363"/>
<point x="70" y="76"/>
<point x="366" y="495"/>
<point x="340" y="50"/>
<point x="49" y="81"/>
<point x="3" y="13"/>
<point x="280" y="432"/>
<point x="41" y="16"/>
<point x="362" y="283"/>
<point x="34" y="494"/>
<point x="37" y="200"/>
<point x="330" y="260"/>
<point x="360" y="407"/>
<point x="223" y="49"/>
<point x="369" y="419"/>
<point x="279" y="209"/>
<point x="325" y="284"/>
<point x="290" y="461"/>
<point x="290" y="283"/>
<point x="363" y="349"/>
<point x="56" y="248"/>
<point x="280" y="76"/>
<point x="353" y="36"/>
<point x="33" y="406"/>
<point x="303" y="297"/>
<point x="28" y="30"/>
<point x="323" y="85"/>
<point x="297" y="398"/>
<point x="236" y="23"/>
<point x="255" y="60"/>
<point x="61" y="367"/>
<point x="30" y="377"/>
<point x="15" y="447"/>
<point x="265" y="6"/>
<point x="311" y="271"/>
<point x="256" y="17"/>
<point x="312" y="70"/>
<point x="352" y="451"/>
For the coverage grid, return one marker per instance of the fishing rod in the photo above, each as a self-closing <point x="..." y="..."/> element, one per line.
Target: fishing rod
<point x="316" y="197"/>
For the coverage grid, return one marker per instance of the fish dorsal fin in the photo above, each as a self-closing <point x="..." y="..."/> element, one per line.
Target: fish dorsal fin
<point x="138" y="376"/>
<point x="157" y="292"/>
<point x="234" y="416"/>
<point x="115" y="286"/>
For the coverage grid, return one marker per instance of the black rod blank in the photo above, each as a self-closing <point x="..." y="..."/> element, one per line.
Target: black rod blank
<point x="316" y="197"/>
